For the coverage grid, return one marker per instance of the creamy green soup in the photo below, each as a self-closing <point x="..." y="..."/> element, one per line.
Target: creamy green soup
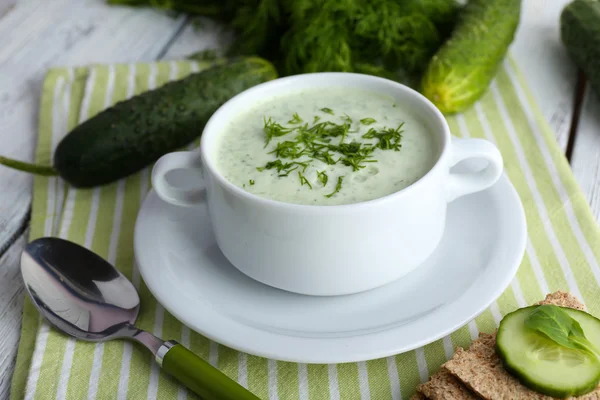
<point x="325" y="147"/>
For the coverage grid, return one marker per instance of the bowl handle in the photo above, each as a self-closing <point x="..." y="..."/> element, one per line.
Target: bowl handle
<point x="462" y="183"/>
<point x="173" y="194"/>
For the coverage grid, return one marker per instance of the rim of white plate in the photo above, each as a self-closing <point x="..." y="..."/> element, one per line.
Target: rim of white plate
<point x="230" y="332"/>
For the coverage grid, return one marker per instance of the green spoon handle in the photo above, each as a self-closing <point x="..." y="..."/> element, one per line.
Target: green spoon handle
<point x="198" y="375"/>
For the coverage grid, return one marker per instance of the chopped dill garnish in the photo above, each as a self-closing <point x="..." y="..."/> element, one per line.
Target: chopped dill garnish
<point x="303" y="180"/>
<point x="322" y="176"/>
<point x="389" y="138"/>
<point x="273" y="129"/>
<point x="367" y="121"/>
<point x="304" y="165"/>
<point x="288" y="149"/>
<point x="338" y="187"/>
<point x="324" y="141"/>
<point x="296" y="119"/>
<point x="353" y="154"/>
<point x="287" y="172"/>
<point x="285" y="168"/>
<point x="252" y="182"/>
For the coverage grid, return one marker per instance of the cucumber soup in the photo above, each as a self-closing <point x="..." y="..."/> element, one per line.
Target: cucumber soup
<point x="326" y="147"/>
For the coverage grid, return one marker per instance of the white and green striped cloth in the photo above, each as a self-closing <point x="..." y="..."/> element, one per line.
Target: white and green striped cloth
<point x="563" y="252"/>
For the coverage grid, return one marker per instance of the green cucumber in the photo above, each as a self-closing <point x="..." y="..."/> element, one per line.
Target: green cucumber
<point x="463" y="68"/>
<point x="134" y="133"/>
<point x="543" y="365"/>
<point x="580" y="32"/>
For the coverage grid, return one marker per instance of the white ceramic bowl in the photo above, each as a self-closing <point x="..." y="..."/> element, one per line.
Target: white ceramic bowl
<point x="330" y="250"/>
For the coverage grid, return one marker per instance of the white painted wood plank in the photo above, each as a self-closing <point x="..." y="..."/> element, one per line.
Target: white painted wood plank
<point x="38" y="34"/>
<point x="11" y="305"/>
<point x="586" y="152"/>
<point x="552" y="77"/>
<point x="5" y="6"/>
<point x="543" y="59"/>
<point x="199" y="34"/>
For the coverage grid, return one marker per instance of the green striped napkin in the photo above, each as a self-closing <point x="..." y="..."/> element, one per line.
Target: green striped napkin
<point x="562" y="253"/>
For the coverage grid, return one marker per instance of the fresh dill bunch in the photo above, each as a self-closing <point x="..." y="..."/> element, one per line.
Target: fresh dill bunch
<point x="389" y="38"/>
<point x="403" y="38"/>
<point x="378" y="37"/>
<point x="258" y="25"/>
<point x="319" y="37"/>
<point x="442" y="13"/>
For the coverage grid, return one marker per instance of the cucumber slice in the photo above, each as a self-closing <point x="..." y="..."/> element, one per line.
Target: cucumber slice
<point x="541" y="364"/>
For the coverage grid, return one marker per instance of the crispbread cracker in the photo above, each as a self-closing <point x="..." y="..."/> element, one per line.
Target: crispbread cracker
<point x="563" y="299"/>
<point x="445" y="386"/>
<point x="481" y="369"/>
<point x="418" y="396"/>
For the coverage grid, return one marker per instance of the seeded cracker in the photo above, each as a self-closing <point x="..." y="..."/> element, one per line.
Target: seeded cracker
<point x="563" y="299"/>
<point x="445" y="386"/>
<point x="481" y="370"/>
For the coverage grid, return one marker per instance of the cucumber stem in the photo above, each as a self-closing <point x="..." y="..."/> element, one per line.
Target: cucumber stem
<point x="44" y="170"/>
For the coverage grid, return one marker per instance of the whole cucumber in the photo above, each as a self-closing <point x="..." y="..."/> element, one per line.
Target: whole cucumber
<point x="462" y="70"/>
<point x="580" y="32"/>
<point x="134" y="133"/>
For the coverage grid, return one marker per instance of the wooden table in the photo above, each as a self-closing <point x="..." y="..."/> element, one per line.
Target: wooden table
<point x="38" y="34"/>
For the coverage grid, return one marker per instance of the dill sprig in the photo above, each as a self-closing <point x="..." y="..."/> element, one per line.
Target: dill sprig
<point x="288" y="149"/>
<point x="283" y="169"/>
<point x="296" y="119"/>
<point x="389" y="138"/>
<point x="273" y="129"/>
<point x="323" y="178"/>
<point x="367" y="121"/>
<point x="303" y="180"/>
<point x="338" y="187"/>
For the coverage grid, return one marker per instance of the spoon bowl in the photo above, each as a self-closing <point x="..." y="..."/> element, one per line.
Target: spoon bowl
<point x="77" y="291"/>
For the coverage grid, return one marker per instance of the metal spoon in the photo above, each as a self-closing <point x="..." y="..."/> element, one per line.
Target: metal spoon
<point x="85" y="297"/>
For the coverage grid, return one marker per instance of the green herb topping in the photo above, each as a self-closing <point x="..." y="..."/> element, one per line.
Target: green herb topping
<point x="389" y="138"/>
<point x="322" y="176"/>
<point x="367" y="121"/>
<point x="325" y="141"/>
<point x="303" y="180"/>
<point x="296" y="119"/>
<point x="338" y="187"/>
<point x="252" y="182"/>
<point x="273" y="129"/>
<point x="558" y="326"/>
<point x="285" y="168"/>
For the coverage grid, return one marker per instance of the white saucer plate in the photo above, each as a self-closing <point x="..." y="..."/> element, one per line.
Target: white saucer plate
<point x="479" y="255"/>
